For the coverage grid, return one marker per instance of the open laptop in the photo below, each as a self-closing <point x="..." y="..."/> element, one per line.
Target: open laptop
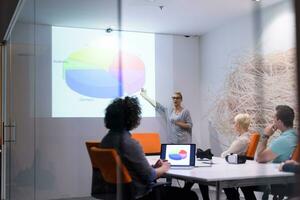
<point x="179" y="155"/>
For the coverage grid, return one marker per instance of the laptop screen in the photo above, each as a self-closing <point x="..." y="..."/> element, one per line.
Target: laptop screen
<point x="179" y="154"/>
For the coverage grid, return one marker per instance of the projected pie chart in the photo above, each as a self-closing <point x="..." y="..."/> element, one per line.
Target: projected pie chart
<point x="178" y="156"/>
<point x="100" y="72"/>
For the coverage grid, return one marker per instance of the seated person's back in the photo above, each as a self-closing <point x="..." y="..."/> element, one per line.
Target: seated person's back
<point x="121" y="116"/>
<point x="133" y="158"/>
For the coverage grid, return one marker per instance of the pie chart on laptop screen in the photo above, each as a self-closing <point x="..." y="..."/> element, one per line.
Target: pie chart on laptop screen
<point x="180" y="155"/>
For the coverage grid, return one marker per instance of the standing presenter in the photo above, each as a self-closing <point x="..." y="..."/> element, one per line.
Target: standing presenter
<point x="180" y="124"/>
<point x="178" y="118"/>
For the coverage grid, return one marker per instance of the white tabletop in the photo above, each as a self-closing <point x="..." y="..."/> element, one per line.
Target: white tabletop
<point x="220" y="170"/>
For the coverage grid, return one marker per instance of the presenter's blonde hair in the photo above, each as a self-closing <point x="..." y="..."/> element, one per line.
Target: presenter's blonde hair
<point x="243" y="120"/>
<point x="178" y="94"/>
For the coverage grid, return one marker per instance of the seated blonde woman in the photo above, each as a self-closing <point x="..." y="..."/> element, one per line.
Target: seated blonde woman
<point x="240" y="144"/>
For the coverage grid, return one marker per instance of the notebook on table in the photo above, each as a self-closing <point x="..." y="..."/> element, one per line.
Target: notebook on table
<point x="179" y="155"/>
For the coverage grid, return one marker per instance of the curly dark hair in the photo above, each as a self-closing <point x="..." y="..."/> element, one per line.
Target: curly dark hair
<point x="123" y="114"/>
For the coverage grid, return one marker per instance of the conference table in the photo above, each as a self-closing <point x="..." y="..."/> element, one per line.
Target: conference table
<point x="221" y="174"/>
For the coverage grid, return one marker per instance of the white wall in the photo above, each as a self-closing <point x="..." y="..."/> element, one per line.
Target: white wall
<point x="237" y="38"/>
<point x="186" y="79"/>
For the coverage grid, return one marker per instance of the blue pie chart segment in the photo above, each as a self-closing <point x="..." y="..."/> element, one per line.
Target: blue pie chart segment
<point x="92" y="82"/>
<point x="175" y="156"/>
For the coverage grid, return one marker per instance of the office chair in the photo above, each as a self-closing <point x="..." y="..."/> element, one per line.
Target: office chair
<point x="296" y="154"/>
<point x="254" y="139"/>
<point x="96" y="175"/>
<point x="116" y="182"/>
<point x="89" y="145"/>
<point x="150" y="142"/>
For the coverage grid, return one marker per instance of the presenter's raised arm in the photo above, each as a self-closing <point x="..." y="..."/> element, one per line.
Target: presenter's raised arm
<point x="143" y="93"/>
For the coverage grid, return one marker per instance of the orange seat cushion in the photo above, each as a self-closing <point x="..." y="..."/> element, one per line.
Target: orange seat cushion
<point x="150" y="142"/>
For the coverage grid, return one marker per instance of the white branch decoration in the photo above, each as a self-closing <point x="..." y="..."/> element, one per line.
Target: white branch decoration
<point x="256" y="86"/>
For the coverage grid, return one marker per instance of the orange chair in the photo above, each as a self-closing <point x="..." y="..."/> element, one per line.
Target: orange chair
<point x="150" y="142"/>
<point x="254" y="139"/>
<point x="109" y="163"/>
<point x="296" y="154"/>
<point x="89" y="145"/>
<point x="117" y="180"/>
<point x="96" y="175"/>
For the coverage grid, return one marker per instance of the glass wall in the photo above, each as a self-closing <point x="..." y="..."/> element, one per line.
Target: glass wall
<point x="19" y="108"/>
<point x="63" y="67"/>
<point x="66" y="37"/>
<point x="46" y="154"/>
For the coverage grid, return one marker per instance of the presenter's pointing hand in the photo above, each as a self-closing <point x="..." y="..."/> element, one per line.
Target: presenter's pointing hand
<point x="143" y="92"/>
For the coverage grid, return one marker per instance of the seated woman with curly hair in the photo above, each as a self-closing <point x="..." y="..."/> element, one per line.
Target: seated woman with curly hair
<point x="121" y="116"/>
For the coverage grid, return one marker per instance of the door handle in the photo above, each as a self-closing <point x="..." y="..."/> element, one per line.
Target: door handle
<point x="9" y="132"/>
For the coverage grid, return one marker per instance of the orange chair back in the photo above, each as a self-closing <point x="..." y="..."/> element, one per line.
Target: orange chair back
<point x="110" y="165"/>
<point x="150" y="142"/>
<point x="254" y="139"/>
<point x="89" y="145"/>
<point x="296" y="154"/>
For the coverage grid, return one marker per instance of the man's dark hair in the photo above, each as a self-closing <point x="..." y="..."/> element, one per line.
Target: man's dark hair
<point x="285" y="114"/>
<point x="123" y="114"/>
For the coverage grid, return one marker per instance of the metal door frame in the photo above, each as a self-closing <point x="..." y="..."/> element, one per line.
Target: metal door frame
<point x="6" y="125"/>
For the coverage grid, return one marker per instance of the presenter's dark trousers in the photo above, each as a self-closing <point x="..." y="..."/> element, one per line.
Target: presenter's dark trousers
<point x="203" y="188"/>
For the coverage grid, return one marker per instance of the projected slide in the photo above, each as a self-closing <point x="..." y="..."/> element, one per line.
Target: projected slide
<point x="178" y="154"/>
<point x="92" y="67"/>
<point x="99" y="76"/>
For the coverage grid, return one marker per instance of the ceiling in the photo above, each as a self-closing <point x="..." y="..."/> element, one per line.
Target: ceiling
<point x="7" y="8"/>
<point x="184" y="17"/>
